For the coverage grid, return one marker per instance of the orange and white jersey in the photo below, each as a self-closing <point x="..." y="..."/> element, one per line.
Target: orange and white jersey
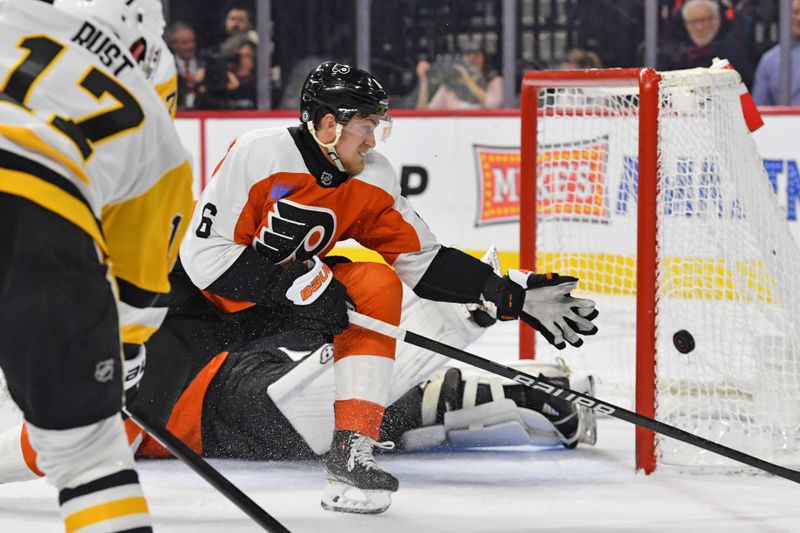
<point x="91" y="140"/>
<point x="273" y="193"/>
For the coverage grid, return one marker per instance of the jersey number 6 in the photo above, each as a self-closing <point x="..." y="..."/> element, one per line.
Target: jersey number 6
<point x="206" y="219"/>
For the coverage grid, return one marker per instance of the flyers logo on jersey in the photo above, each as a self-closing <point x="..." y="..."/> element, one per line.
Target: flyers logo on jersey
<point x="295" y="232"/>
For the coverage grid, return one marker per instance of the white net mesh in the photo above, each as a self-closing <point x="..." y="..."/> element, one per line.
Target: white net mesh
<point x="586" y="207"/>
<point x="728" y="269"/>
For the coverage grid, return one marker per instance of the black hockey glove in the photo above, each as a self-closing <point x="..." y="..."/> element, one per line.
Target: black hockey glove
<point x="543" y="302"/>
<point x="318" y="301"/>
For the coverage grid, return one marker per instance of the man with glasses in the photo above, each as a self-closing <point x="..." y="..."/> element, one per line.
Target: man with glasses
<point x="710" y="39"/>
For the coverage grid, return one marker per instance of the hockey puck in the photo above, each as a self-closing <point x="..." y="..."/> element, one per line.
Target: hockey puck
<point x="683" y="341"/>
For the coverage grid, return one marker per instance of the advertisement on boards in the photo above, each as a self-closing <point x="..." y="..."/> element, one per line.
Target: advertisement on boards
<point x="462" y="173"/>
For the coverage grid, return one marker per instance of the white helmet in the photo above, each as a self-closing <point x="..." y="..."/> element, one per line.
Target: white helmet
<point x="152" y="26"/>
<point x="138" y="23"/>
<point x="123" y="19"/>
<point x="152" y="16"/>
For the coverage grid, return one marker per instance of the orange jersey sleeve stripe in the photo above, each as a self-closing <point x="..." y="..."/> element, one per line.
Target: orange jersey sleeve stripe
<point x="185" y="421"/>
<point x="227" y="305"/>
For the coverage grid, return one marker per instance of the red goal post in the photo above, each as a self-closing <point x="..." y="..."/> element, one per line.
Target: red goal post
<point x="647" y="81"/>
<point x="648" y="187"/>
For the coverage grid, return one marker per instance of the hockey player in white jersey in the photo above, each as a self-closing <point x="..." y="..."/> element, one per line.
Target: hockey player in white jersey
<point x="158" y="65"/>
<point x="157" y="61"/>
<point x="96" y="192"/>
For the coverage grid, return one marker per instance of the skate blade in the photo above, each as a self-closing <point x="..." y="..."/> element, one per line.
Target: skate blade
<point x="344" y="498"/>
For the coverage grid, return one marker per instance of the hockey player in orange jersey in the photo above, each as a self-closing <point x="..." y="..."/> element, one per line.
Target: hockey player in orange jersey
<point x="283" y="197"/>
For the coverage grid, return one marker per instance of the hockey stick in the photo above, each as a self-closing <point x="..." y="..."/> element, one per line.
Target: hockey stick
<point x="541" y="384"/>
<point x="208" y="472"/>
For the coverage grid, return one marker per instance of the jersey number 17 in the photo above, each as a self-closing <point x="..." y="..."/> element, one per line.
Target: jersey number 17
<point x="86" y="131"/>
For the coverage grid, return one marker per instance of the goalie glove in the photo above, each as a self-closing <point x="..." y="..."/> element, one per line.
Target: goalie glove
<point x="543" y="302"/>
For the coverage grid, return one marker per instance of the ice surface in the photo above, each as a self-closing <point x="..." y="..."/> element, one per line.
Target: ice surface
<point x="590" y="489"/>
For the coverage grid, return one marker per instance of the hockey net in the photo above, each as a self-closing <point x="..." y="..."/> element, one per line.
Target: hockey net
<point x="649" y="188"/>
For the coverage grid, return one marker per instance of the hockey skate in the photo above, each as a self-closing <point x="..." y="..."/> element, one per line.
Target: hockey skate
<point x="355" y="483"/>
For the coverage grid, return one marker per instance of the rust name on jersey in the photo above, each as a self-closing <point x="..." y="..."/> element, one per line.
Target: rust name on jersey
<point x="104" y="46"/>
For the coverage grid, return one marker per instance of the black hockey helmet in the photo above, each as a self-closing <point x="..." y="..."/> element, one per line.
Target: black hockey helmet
<point x="345" y="90"/>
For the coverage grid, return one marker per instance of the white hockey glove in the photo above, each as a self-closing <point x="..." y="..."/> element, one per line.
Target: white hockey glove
<point x="543" y="301"/>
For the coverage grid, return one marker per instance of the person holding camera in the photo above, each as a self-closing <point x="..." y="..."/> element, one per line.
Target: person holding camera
<point x="229" y="81"/>
<point x="461" y="84"/>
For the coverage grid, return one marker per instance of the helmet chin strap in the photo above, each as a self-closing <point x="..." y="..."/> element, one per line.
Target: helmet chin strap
<point x="330" y="147"/>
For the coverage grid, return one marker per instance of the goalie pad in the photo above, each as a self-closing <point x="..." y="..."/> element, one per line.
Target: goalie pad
<point x="305" y="396"/>
<point x="499" y="423"/>
<point x="446" y="322"/>
<point x="456" y="325"/>
<point x="452" y="413"/>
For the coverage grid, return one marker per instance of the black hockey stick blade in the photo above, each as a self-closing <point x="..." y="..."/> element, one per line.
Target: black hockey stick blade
<point x="208" y="472"/>
<point x="541" y="384"/>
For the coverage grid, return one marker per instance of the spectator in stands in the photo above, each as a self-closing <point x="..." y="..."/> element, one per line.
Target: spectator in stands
<point x="239" y="46"/>
<point x="230" y="80"/>
<point x="703" y="23"/>
<point x="766" y="88"/>
<point x="577" y="58"/>
<point x="238" y="21"/>
<point x="182" y="42"/>
<point x="461" y="84"/>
